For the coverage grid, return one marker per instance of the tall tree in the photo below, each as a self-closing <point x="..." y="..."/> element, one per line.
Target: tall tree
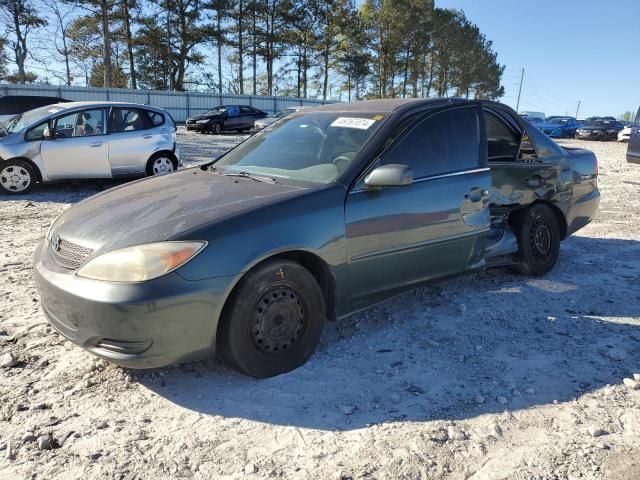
<point x="126" y="7"/>
<point x="221" y="10"/>
<point x="19" y="18"/>
<point x="62" y="20"/>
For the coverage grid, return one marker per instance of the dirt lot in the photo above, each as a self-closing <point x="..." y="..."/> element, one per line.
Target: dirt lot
<point x="491" y="376"/>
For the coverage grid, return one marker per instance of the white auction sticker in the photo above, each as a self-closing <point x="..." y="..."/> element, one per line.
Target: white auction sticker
<point x="353" y="122"/>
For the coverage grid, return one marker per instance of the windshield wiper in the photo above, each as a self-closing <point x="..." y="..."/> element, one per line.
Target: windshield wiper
<point x="257" y="178"/>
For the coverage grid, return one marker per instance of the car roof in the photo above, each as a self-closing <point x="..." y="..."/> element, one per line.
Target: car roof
<point x="383" y="105"/>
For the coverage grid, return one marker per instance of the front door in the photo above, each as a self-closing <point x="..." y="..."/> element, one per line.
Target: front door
<point x="80" y="149"/>
<point x="432" y="228"/>
<point x="232" y="118"/>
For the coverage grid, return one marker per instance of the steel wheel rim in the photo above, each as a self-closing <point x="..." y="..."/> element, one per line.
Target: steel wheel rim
<point x="540" y="240"/>
<point x="278" y="320"/>
<point x="162" y="166"/>
<point x="15" y="178"/>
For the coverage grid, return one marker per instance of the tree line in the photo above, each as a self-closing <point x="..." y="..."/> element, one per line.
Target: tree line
<point x="314" y="48"/>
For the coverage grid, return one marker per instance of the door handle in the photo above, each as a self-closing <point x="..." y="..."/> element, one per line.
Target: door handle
<point x="95" y="144"/>
<point x="147" y="135"/>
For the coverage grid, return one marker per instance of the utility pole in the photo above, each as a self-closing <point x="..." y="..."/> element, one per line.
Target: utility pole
<point x="577" y="109"/>
<point x="520" y="91"/>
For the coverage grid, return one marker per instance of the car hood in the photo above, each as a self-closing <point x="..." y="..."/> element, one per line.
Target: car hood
<point x="161" y="208"/>
<point x="550" y="126"/>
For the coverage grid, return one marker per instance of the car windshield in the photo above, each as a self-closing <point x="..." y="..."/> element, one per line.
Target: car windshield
<point x="25" y="119"/>
<point x="310" y="147"/>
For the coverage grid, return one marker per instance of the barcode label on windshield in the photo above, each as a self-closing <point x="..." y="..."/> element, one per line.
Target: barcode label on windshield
<point x="352" y="122"/>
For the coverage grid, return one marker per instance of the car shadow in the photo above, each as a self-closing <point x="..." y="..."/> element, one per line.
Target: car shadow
<point x="484" y="343"/>
<point x="66" y="192"/>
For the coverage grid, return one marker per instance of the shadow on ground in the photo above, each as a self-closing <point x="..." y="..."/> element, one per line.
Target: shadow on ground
<point x="485" y="343"/>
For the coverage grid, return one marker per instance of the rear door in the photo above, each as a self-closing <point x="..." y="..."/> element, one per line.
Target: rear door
<point x="518" y="173"/>
<point x="432" y="228"/>
<point x="80" y="148"/>
<point x="248" y="115"/>
<point x="132" y="139"/>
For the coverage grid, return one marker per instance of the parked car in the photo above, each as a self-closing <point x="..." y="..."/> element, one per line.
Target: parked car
<point x="239" y="118"/>
<point x="265" y="122"/>
<point x="77" y="140"/>
<point x="625" y="133"/>
<point x="530" y="115"/>
<point x="328" y="211"/>
<point x="12" y="105"/>
<point x="599" y="129"/>
<point x="559" y="127"/>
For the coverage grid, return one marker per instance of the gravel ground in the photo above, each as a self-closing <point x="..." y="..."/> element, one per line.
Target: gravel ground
<point x="490" y="376"/>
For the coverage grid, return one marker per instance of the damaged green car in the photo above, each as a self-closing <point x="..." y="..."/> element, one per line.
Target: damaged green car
<point x="325" y="212"/>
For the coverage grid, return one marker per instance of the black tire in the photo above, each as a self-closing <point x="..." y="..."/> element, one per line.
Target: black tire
<point x="538" y="235"/>
<point x="274" y="320"/>
<point x="150" y="163"/>
<point x="25" y="177"/>
<point x="217" y="128"/>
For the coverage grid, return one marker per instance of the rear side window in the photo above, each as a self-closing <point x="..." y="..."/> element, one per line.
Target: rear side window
<point x="155" y="118"/>
<point x="247" y="111"/>
<point x="446" y="142"/>
<point x="502" y="142"/>
<point x="128" y="119"/>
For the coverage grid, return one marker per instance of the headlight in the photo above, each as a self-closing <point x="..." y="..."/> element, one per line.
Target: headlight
<point x="140" y="262"/>
<point x="206" y="120"/>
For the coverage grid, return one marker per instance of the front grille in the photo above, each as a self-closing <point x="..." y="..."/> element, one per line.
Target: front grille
<point x="69" y="255"/>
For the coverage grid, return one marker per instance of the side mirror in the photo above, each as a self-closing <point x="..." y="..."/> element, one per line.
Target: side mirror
<point x="393" y="175"/>
<point x="48" y="134"/>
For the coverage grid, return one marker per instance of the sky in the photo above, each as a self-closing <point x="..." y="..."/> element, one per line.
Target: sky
<point x="571" y="50"/>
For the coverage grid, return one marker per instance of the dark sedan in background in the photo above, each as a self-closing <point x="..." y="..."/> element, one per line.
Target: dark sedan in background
<point x="226" y="118"/>
<point x="604" y="128"/>
<point x="559" y="127"/>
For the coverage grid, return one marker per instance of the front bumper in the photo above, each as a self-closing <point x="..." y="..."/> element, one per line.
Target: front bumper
<point x="596" y="135"/>
<point x="198" y="127"/>
<point x="150" y="324"/>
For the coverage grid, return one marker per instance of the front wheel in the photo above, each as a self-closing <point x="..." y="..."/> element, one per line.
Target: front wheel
<point x="274" y="320"/>
<point x="538" y="235"/>
<point x="16" y="177"/>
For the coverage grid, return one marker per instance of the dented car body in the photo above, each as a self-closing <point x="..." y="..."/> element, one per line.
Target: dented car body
<point x="326" y="212"/>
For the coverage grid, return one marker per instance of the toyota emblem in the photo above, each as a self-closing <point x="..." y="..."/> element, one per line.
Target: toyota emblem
<point x="56" y="243"/>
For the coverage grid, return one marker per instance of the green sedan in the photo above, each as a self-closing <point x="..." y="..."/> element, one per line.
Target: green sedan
<point x="321" y="214"/>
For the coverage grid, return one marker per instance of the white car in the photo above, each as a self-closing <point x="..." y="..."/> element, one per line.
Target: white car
<point x="265" y="122"/>
<point x="77" y="140"/>
<point x="624" y="134"/>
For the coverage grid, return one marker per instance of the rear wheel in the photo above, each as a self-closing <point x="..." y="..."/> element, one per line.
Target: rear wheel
<point x="538" y="236"/>
<point x="161" y="164"/>
<point x="274" y="320"/>
<point x="16" y="177"/>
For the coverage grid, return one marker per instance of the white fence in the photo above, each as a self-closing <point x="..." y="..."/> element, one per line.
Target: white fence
<point x="179" y="104"/>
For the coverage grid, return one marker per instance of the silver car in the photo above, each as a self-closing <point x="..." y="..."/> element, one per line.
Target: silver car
<point x="265" y="122"/>
<point x="79" y="140"/>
